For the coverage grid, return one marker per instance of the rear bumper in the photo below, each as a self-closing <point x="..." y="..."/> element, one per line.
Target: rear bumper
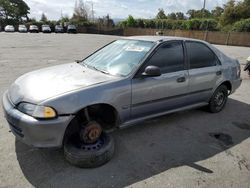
<point x="34" y="132"/>
<point x="236" y="84"/>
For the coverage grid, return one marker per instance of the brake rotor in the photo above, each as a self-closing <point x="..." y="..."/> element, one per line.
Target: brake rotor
<point x="91" y="132"/>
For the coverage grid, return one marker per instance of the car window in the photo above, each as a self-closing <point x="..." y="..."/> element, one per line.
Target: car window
<point x="200" y="55"/>
<point x="169" y="57"/>
<point x="120" y="57"/>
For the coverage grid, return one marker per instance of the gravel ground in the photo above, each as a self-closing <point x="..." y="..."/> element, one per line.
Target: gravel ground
<point x="183" y="149"/>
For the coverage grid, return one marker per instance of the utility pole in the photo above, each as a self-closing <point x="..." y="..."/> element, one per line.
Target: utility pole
<point x="204" y="7"/>
<point x="203" y="15"/>
<point x="92" y="10"/>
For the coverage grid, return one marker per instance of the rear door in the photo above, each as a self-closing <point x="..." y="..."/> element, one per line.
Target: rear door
<point x="152" y="95"/>
<point x="204" y="71"/>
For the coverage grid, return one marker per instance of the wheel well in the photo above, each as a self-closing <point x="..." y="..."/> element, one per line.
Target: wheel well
<point x="105" y="114"/>
<point x="228" y="85"/>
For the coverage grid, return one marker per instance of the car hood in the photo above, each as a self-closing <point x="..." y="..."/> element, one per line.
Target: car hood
<point x="37" y="86"/>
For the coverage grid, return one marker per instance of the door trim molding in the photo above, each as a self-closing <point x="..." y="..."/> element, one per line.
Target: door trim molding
<point x="172" y="97"/>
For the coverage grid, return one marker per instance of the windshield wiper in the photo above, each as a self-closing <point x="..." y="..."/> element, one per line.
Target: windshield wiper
<point x="93" y="67"/>
<point x="105" y="72"/>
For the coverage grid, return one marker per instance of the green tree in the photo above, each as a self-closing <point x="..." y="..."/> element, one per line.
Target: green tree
<point x="180" y="16"/>
<point x="131" y="21"/>
<point x="229" y="16"/>
<point x="242" y="26"/>
<point x="202" y="13"/>
<point x="172" y="16"/>
<point x="217" y="12"/>
<point x="15" y="10"/>
<point x="161" y="14"/>
<point x="234" y="12"/>
<point x="140" y="23"/>
<point x="191" y="13"/>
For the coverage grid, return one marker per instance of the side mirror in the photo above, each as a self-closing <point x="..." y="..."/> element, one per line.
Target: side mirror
<point x="78" y="61"/>
<point x="152" y="71"/>
<point x="247" y="67"/>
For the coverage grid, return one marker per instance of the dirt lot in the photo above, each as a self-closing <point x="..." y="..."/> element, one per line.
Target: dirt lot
<point x="179" y="150"/>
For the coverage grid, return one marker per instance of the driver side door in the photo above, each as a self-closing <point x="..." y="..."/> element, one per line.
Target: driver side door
<point x="152" y="95"/>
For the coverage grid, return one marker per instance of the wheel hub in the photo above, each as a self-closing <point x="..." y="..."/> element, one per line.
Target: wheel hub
<point x="219" y="99"/>
<point x="91" y="132"/>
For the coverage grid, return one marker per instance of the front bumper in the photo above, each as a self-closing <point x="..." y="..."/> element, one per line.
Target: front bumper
<point x="34" y="31"/>
<point x="34" y="132"/>
<point x="71" y="31"/>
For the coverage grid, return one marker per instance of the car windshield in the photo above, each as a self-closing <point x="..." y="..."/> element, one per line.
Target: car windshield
<point x="120" y="57"/>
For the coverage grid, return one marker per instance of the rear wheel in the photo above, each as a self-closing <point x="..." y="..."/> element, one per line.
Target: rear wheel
<point x="218" y="100"/>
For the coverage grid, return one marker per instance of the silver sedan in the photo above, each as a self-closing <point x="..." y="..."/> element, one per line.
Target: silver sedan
<point x="125" y="82"/>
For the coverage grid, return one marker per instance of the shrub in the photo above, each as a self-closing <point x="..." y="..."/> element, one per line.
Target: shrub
<point x="193" y="24"/>
<point x="242" y="26"/>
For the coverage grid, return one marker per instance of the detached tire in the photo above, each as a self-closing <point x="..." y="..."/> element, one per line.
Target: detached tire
<point x="218" y="100"/>
<point x="89" y="156"/>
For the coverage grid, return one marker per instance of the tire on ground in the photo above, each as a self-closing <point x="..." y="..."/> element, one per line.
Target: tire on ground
<point x="211" y="107"/>
<point x="90" y="159"/>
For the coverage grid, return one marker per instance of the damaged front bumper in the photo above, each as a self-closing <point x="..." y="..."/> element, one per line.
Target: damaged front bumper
<point x="32" y="131"/>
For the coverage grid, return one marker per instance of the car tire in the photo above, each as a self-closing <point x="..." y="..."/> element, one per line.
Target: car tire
<point x="218" y="100"/>
<point x="85" y="158"/>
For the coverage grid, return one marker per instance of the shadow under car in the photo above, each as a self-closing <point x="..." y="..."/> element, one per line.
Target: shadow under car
<point x="144" y="150"/>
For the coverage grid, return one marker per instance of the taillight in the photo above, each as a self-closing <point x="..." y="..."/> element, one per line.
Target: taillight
<point x="238" y="71"/>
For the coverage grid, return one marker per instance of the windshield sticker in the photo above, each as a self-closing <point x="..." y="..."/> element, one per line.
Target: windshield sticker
<point x="135" y="49"/>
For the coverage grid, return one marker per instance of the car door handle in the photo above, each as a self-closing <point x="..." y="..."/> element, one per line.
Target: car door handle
<point x="218" y="73"/>
<point x="181" y="79"/>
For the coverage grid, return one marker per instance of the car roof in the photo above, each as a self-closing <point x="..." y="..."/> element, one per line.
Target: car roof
<point x="152" y="38"/>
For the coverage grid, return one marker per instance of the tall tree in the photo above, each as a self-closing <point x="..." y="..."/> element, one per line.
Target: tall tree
<point x="191" y="13"/>
<point x="202" y="13"/>
<point x="131" y="21"/>
<point x="81" y="11"/>
<point x="217" y="12"/>
<point x="228" y="16"/>
<point x="161" y="14"/>
<point x="106" y="21"/>
<point x="14" y="10"/>
<point x="180" y="16"/>
<point x="172" y="16"/>
<point x="234" y="12"/>
<point x="44" y="18"/>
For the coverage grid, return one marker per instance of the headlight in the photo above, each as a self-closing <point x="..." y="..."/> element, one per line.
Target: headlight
<point x="36" y="110"/>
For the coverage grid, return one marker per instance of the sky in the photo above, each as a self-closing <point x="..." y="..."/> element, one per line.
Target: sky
<point x="117" y="8"/>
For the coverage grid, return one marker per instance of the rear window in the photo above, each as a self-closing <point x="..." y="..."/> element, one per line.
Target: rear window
<point x="200" y="55"/>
